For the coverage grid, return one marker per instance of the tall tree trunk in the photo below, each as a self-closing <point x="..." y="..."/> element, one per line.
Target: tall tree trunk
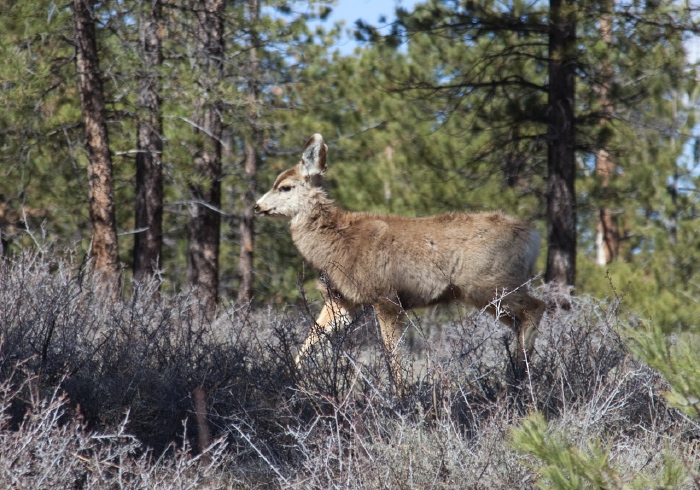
<point x="205" y="218"/>
<point x="607" y="233"/>
<point x="561" y="197"/>
<point x="149" y="174"/>
<point x="673" y="185"/>
<point x="100" y="181"/>
<point x="247" y="232"/>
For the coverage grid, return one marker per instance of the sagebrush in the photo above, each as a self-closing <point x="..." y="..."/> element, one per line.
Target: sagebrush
<point x="105" y="392"/>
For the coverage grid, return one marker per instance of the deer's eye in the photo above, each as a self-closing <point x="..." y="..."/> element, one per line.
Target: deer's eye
<point x="285" y="188"/>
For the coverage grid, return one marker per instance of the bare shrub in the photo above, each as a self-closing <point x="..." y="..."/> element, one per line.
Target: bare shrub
<point x="453" y="426"/>
<point x="140" y="354"/>
<point x="51" y="448"/>
<point x="105" y="392"/>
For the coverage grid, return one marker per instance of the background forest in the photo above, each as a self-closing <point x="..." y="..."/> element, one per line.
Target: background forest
<point x="136" y="136"/>
<point x="448" y="108"/>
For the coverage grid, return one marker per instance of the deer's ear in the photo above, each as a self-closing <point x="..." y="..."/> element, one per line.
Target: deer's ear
<point x="313" y="157"/>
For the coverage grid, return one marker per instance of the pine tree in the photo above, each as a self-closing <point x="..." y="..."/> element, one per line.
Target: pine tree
<point x="148" y="241"/>
<point x="205" y="218"/>
<point x="607" y="232"/>
<point x="252" y="144"/>
<point x="100" y="180"/>
<point x="561" y="140"/>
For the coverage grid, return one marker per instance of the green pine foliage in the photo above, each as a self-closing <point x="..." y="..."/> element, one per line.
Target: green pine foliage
<point x="41" y="172"/>
<point x="564" y="465"/>
<point x="676" y="358"/>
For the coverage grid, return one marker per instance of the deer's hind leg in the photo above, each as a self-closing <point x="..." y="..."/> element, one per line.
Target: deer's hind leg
<point x="522" y="314"/>
<point x="389" y="314"/>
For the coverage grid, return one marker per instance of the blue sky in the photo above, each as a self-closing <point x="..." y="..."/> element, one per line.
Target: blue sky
<point x="368" y="10"/>
<point x="371" y="10"/>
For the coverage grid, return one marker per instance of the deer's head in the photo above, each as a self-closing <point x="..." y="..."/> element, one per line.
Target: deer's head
<point x="294" y="189"/>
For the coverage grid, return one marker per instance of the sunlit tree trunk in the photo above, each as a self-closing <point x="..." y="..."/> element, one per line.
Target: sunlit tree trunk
<point x="607" y="233"/>
<point x="104" y="248"/>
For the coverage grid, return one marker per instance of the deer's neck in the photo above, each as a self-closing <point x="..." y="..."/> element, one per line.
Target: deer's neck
<point x="317" y="233"/>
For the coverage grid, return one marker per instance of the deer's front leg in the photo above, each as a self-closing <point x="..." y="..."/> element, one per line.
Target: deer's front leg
<point x="336" y="313"/>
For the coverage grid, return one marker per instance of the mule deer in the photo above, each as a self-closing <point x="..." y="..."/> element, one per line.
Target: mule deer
<point x="395" y="263"/>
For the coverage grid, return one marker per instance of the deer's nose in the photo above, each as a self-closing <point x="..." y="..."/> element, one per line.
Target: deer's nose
<point x="256" y="208"/>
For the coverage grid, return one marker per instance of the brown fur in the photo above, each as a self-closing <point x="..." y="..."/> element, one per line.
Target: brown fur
<point x="395" y="263"/>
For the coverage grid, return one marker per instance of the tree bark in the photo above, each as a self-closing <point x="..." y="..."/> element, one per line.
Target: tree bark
<point x="104" y="248"/>
<point x="607" y="232"/>
<point x="246" y="226"/>
<point x="200" y="412"/>
<point x="149" y="173"/>
<point x="205" y="218"/>
<point x="561" y="196"/>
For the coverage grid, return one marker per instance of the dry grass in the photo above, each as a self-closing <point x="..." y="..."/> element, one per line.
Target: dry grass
<point x="99" y="395"/>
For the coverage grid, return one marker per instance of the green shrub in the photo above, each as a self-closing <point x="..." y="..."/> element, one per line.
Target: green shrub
<point x="566" y="466"/>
